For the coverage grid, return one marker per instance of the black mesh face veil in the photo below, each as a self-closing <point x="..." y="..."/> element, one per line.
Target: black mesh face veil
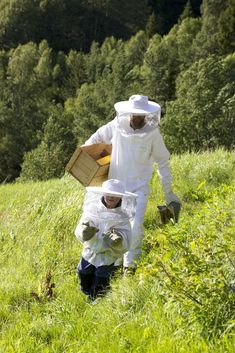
<point x="152" y="120"/>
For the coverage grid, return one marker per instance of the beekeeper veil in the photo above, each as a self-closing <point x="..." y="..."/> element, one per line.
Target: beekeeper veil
<point x="94" y="206"/>
<point x="138" y="105"/>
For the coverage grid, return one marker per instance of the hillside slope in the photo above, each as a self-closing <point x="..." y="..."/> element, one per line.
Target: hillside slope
<point x="181" y="298"/>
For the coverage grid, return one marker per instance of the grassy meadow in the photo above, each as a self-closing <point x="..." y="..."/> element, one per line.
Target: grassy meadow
<point x="181" y="299"/>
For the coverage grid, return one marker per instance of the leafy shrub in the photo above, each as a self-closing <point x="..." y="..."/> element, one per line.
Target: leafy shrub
<point x="43" y="163"/>
<point x="194" y="262"/>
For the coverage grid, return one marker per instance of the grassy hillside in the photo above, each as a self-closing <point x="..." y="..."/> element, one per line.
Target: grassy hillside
<point x="180" y="300"/>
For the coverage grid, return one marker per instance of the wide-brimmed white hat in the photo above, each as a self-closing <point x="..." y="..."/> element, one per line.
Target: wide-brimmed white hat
<point x="137" y="104"/>
<point x="112" y="187"/>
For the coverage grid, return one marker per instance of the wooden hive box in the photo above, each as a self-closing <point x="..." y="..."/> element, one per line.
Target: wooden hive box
<point x="86" y="168"/>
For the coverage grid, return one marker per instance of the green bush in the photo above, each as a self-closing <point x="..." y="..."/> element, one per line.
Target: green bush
<point x="193" y="261"/>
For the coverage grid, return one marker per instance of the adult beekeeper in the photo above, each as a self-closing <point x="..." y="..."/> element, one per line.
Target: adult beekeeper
<point x="136" y="145"/>
<point x="105" y="232"/>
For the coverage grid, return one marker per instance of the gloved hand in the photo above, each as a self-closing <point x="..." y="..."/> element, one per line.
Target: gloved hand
<point x="88" y="231"/>
<point x="165" y="214"/>
<point x="174" y="207"/>
<point x="114" y="237"/>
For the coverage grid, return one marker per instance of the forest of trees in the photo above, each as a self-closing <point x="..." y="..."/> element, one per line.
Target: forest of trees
<point x="64" y="63"/>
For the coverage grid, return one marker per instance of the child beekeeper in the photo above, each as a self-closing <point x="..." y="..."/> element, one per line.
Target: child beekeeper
<point x="104" y="230"/>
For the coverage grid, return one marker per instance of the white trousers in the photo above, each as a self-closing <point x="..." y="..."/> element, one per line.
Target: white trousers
<point x="131" y="257"/>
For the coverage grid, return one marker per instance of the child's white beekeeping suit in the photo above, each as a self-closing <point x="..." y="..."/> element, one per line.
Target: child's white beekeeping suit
<point x="134" y="152"/>
<point x="113" y="229"/>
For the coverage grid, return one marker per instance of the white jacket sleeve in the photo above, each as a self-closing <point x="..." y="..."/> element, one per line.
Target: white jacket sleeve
<point x="103" y="135"/>
<point x="161" y="155"/>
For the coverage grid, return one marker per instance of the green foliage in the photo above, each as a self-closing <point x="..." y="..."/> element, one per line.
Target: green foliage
<point x="100" y="59"/>
<point x="167" y="12"/>
<point x="166" y="57"/>
<point x="180" y="266"/>
<point x="202" y="116"/>
<point x="49" y="158"/>
<point x="43" y="162"/>
<point x="188" y="11"/>
<point x="194" y="89"/>
<point x="194" y="262"/>
<point x="31" y="87"/>
<point x="23" y="109"/>
<point x="218" y="24"/>
<point x="202" y="172"/>
<point x="186" y="35"/>
<point x="69" y="24"/>
<point x="89" y="110"/>
<point x="151" y="26"/>
<point x="112" y="75"/>
<point x="19" y="22"/>
<point x="75" y="69"/>
<point x="161" y="68"/>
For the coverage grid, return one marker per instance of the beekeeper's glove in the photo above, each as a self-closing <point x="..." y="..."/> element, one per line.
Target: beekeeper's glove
<point x="88" y="231"/>
<point x="114" y="237"/>
<point x="175" y="208"/>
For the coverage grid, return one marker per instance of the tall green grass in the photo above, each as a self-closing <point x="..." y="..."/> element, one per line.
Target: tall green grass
<point x="153" y="311"/>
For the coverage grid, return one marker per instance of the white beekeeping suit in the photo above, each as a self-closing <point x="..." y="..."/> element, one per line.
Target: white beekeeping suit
<point x="134" y="152"/>
<point x="99" y="250"/>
